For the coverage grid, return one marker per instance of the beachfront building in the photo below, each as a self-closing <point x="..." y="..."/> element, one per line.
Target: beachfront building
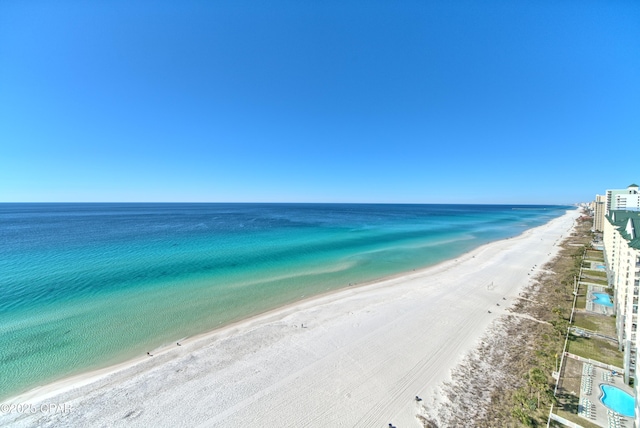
<point x="599" y="208"/>
<point x="621" y="238"/>
<point x="623" y="199"/>
<point x="636" y="390"/>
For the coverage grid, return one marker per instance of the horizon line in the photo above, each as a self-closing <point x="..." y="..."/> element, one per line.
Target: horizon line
<point x="292" y="202"/>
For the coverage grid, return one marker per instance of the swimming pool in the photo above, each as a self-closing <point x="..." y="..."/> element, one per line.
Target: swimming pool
<point x="617" y="400"/>
<point x="601" y="267"/>
<point x="602" y="299"/>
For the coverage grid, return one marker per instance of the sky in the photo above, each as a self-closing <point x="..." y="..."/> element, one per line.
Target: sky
<point x="513" y="101"/>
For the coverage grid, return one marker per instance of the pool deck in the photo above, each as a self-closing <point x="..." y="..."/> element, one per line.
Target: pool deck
<point x="596" y="265"/>
<point x="596" y="307"/>
<point x="591" y="408"/>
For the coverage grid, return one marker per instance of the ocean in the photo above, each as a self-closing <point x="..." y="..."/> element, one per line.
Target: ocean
<point x="84" y="286"/>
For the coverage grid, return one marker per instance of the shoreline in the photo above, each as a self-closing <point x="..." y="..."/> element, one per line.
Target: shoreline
<point x="287" y="321"/>
<point x="42" y="392"/>
<point x="90" y="374"/>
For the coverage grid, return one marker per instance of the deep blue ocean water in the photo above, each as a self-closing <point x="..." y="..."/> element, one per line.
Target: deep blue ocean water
<point x="83" y="286"/>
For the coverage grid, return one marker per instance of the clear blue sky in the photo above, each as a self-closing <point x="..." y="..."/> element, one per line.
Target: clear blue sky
<point x="320" y="101"/>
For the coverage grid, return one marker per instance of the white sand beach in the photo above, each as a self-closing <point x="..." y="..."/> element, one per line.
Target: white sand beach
<point x="353" y="358"/>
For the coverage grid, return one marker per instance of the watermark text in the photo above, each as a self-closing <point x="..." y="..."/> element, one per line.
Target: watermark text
<point x="47" y="408"/>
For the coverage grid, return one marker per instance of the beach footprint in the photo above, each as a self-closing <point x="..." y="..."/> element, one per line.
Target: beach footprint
<point x="133" y="414"/>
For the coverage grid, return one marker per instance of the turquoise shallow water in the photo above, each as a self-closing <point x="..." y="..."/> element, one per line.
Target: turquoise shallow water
<point x="83" y="286"/>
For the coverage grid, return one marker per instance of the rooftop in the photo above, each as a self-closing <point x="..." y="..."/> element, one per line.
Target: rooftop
<point x="628" y="224"/>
